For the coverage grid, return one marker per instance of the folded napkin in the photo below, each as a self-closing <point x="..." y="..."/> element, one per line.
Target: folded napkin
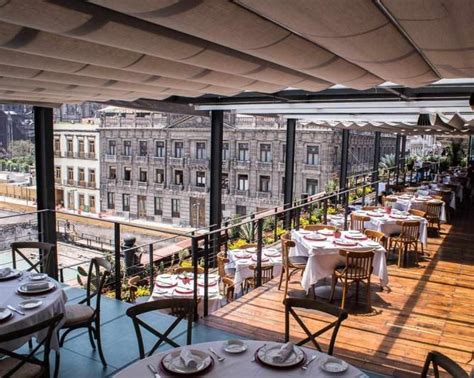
<point x="4" y="272"/>
<point x="37" y="286"/>
<point x="189" y="360"/>
<point x="423" y="192"/>
<point x="284" y="352"/>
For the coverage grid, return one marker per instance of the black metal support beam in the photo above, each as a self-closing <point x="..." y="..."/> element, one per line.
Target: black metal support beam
<point x="45" y="200"/>
<point x="404" y="151"/>
<point x="215" y="196"/>
<point x="397" y="157"/>
<point x="375" y="167"/>
<point x="289" y="168"/>
<point x="469" y="149"/>
<point x="344" y="159"/>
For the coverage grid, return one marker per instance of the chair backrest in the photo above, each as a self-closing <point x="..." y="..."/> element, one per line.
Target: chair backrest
<point x="418" y="213"/>
<point x="311" y="304"/>
<point x="221" y="261"/>
<point x="369" y="208"/>
<point x="285" y="251"/>
<point x="357" y="222"/>
<point x="317" y="227"/>
<point x="411" y="189"/>
<point x="132" y="285"/>
<point x="433" y="208"/>
<point x="49" y="327"/>
<point x="410" y="230"/>
<point x="45" y="256"/>
<point x="249" y="245"/>
<point x="389" y="201"/>
<point x="182" y="308"/>
<point x="188" y="269"/>
<point x="267" y="273"/>
<point x="99" y="271"/>
<point x="358" y="263"/>
<point x="440" y="360"/>
<point x="377" y="236"/>
<point x="229" y="288"/>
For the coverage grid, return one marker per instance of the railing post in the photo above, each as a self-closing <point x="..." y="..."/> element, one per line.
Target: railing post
<point x="206" y="275"/>
<point x="325" y="211"/>
<point x="152" y="266"/>
<point x="226" y="244"/>
<point x="118" y="273"/>
<point x="252" y="217"/>
<point x="275" y="229"/>
<point x="259" y="251"/>
<point x="346" y="208"/>
<point x="194" y="252"/>
<point x="363" y="192"/>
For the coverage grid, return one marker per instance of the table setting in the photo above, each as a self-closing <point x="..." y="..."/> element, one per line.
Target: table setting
<point x="237" y="358"/>
<point x="182" y="285"/>
<point x="324" y="254"/>
<point x="27" y="298"/>
<point x="242" y="259"/>
<point x="418" y="201"/>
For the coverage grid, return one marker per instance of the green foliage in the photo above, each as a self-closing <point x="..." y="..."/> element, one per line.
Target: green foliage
<point x="22" y="149"/>
<point x="331" y="186"/>
<point x="237" y="244"/>
<point x="387" y="162"/>
<point x="143" y="291"/>
<point x="247" y="231"/>
<point x="269" y="223"/>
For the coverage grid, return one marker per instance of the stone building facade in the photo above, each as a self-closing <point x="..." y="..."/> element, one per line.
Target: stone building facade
<point x="155" y="166"/>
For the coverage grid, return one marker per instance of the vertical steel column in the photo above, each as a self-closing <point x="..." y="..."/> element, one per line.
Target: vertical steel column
<point x="344" y="159"/>
<point x="397" y="158"/>
<point x="469" y="149"/>
<point x="375" y="167"/>
<point x="215" y="195"/>
<point x="45" y="191"/>
<point x="289" y="169"/>
<point x="118" y="273"/>
<point x="403" y="155"/>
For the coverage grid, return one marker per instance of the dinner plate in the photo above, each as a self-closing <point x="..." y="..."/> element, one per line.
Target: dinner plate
<point x="14" y="273"/>
<point x="23" y="289"/>
<point x="372" y="243"/>
<point x="374" y="214"/>
<point x="266" y="355"/>
<point x="30" y="304"/>
<point x="357" y="237"/>
<point x="183" y="291"/>
<point x="345" y="243"/>
<point x="397" y="216"/>
<point x="264" y="258"/>
<point x="326" y="232"/>
<point x="315" y="237"/>
<point x="38" y="276"/>
<point x="251" y="249"/>
<point x="235" y="346"/>
<point x="242" y="255"/>
<point x="334" y="365"/>
<point x="5" y="313"/>
<point x="173" y="363"/>
<point x="271" y="252"/>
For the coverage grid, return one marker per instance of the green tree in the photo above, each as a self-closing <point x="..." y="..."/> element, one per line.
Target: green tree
<point x="22" y="149"/>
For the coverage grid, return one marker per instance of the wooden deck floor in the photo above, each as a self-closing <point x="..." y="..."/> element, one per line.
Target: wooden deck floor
<point x="429" y="307"/>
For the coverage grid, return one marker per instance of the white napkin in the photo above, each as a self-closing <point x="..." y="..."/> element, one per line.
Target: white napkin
<point x="284" y="352"/>
<point x="4" y="272"/>
<point x="189" y="360"/>
<point x="37" y="286"/>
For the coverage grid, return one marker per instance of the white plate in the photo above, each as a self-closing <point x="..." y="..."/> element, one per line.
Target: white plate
<point x="164" y="277"/>
<point x="23" y="289"/>
<point x="30" y="304"/>
<point x="235" y="346"/>
<point x="334" y="365"/>
<point x="326" y="232"/>
<point x="13" y="274"/>
<point x="267" y="353"/>
<point x="5" y="313"/>
<point x="354" y="232"/>
<point x="38" y="276"/>
<point x="173" y="362"/>
<point x="251" y="249"/>
<point x="271" y="252"/>
<point x="372" y="243"/>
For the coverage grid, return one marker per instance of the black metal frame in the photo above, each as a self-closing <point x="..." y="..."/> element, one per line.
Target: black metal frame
<point x="289" y="166"/>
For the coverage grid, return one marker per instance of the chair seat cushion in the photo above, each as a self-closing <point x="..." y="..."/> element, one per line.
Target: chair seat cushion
<point x="27" y="370"/>
<point x="77" y="314"/>
<point x="298" y="260"/>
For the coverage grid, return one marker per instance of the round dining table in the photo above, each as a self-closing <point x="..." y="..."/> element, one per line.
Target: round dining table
<point x="238" y="365"/>
<point x="53" y="303"/>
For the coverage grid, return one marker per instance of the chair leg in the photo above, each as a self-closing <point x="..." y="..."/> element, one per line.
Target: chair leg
<point x="57" y="361"/>
<point x="344" y="293"/>
<point x="99" y="343"/>
<point x="333" y="287"/>
<point x="287" y="278"/>
<point x="369" y="299"/>
<point x="91" y="338"/>
<point x="281" y="277"/>
<point x="357" y="291"/>
<point x="400" y="252"/>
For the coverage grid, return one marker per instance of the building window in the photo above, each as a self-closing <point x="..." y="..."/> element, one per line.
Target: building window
<point x="91" y="203"/>
<point x="175" y="205"/>
<point x="225" y="151"/>
<point x="178" y="177"/>
<point x="57" y="145"/>
<point x="312" y="155"/>
<point x="110" y="200"/>
<point x="225" y="181"/>
<point x="91" y="176"/>
<point x="158" y="206"/>
<point x="69" y="147"/>
<point x="127" y="174"/>
<point x="160" y="148"/>
<point x="264" y="183"/>
<point x="201" y="179"/>
<point x="311" y="186"/>
<point x="82" y="201"/>
<point x="143" y="175"/>
<point x="159" y="176"/>
<point x="201" y="150"/>
<point x="266" y="152"/>
<point x="80" y="147"/>
<point x="70" y="175"/>
<point x="127" y="147"/>
<point x="243" y="182"/>
<point x="178" y="149"/>
<point x="112" y="149"/>
<point x="91" y="146"/>
<point x="112" y="173"/>
<point x="244" y="152"/>
<point x="283" y="153"/>
<point x="142" y="148"/>
<point x="125" y="202"/>
<point x="82" y="176"/>
<point x="57" y="173"/>
<point x="240" y="211"/>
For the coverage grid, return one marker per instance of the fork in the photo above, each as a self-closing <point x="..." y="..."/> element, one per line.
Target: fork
<point x="219" y="358"/>
<point x="263" y="346"/>
<point x="305" y="366"/>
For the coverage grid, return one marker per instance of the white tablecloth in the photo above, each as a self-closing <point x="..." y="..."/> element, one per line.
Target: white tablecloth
<point x="176" y="282"/>
<point x="240" y="365"/>
<point x="52" y="305"/>
<point x="407" y="204"/>
<point x="242" y="266"/>
<point x="324" y="257"/>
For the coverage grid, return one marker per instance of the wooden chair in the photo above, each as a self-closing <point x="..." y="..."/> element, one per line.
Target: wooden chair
<point x="291" y="304"/>
<point x="133" y="287"/>
<point x="357" y="268"/>
<point x="358" y="221"/>
<point x="45" y="256"/>
<point x="388" y="201"/>
<point x="377" y="236"/>
<point x="30" y="365"/>
<point x="229" y="289"/>
<point x="82" y="314"/>
<point x="290" y="264"/>
<point x="418" y="213"/>
<point x="317" y="227"/>
<point x="221" y="261"/>
<point x="182" y="308"/>
<point x="251" y="282"/>
<point x="188" y="269"/>
<point x="433" y="214"/>
<point x="370" y="208"/>
<point x="440" y="360"/>
<point x="249" y="245"/>
<point x="411" y="189"/>
<point x="407" y="239"/>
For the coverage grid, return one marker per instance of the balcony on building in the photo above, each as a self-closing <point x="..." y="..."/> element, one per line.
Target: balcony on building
<point x="241" y="164"/>
<point x="176" y="161"/>
<point x="110" y="158"/>
<point x="264" y="165"/>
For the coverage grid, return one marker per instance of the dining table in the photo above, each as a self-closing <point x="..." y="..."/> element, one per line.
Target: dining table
<point x="242" y="259"/>
<point x="406" y="202"/>
<point x="182" y="286"/>
<point x="323" y="254"/>
<point x="49" y="304"/>
<point x="245" y="364"/>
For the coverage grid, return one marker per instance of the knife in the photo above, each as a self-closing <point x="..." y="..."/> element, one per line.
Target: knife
<point x="16" y="310"/>
<point x="153" y="370"/>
